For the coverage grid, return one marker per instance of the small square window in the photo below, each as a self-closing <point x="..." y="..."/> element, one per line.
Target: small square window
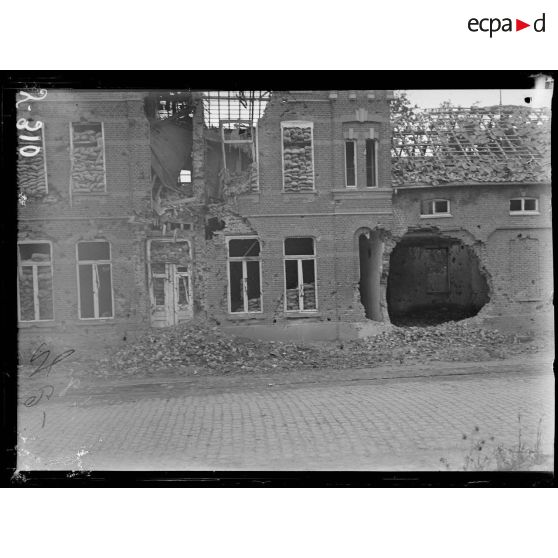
<point x="530" y="205"/>
<point x="435" y="207"/>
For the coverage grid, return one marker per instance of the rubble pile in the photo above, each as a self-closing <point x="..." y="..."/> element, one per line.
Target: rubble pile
<point x="199" y="347"/>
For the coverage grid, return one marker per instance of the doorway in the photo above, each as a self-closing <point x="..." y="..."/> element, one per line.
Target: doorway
<point x="170" y="285"/>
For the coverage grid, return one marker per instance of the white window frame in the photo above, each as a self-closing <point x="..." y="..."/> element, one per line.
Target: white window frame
<point x="244" y="260"/>
<point x="355" y="144"/>
<point x="298" y="124"/>
<point x="435" y="214"/>
<point x="299" y="259"/>
<point x="72" y="191"/>
<point x="94" y="264"/>
<point x="35" y="265"/>
<point x="376" y="148"/>
<point x="524" y="211"/>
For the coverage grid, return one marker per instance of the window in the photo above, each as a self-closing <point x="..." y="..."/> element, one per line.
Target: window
<point x="240" y="155"/>
<point x="88" y="157"/>
<point x="435" y="208"/>
<point x="244" y="275"/>
<point x="35" y="301"/>
<point x="350" y="163"/>
<point x="371" y="163"/>
<point x="31" y="161"/>
<point x="300" y="275"/>
<point x="94" y="280"/>
<point x="524" y="206"/>
<point x="298" y="156"/>
<point x="185" y="177"/>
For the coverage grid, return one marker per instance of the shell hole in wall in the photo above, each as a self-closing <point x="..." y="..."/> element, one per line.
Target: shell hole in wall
<point x="433" y="280"/>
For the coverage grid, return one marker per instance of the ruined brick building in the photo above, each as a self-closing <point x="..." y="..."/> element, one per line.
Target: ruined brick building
<point x="472" y="212"/>
<point x="293" y="214"/>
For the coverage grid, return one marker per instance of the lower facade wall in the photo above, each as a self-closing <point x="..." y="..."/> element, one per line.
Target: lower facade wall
<point x="130" y="298"/>
<point x="337" y="268"/>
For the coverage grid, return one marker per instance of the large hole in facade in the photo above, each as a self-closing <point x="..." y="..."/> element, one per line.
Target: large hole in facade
<point x="432" y="280"/>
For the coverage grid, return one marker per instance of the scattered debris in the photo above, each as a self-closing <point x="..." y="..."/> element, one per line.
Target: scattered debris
<point x="200" y="348"/>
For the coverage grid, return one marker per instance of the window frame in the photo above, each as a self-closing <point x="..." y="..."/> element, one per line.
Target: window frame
<point x="244" y="260"/>
<point x="98" y="192"/>
<point x="95" y="293"/>
<point x="355" y="162"/>
<point x="524" y="211"/>
<point x="34" y="265"/>
<point x="375" y="143"/>
<point x="299" y="259"/>
<point x="297" y="124"/>
<point x="435" y="214"/>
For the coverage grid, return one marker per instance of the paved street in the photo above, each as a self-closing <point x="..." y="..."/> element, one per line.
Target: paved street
<point x="358" y="424"/>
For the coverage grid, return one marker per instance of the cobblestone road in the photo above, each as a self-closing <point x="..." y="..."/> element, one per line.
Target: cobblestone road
<point x="397" y="424"/>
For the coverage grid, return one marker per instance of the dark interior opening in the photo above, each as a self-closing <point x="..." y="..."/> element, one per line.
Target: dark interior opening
<point x="433" y="280"/>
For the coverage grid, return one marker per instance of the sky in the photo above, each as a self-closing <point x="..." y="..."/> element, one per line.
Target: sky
<point x="428" y="98"/>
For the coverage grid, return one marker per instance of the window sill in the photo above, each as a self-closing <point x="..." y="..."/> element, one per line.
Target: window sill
<point x="361" y="193"/>
<point x="305" y="195"/>
<point x="522" y="213"/>
<point x="245" y="315"/>
<point x="89" y="193"/>
<point x="40" y="323"/>
<point x="436" y="216"/>
<point x="95" y="321"/>
<point x="307" y="314"/>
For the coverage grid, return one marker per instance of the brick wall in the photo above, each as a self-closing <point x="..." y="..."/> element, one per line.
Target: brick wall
<point x="515" y="251"/>
<point x="66" y="218"/>
<point x="332" y="214"/>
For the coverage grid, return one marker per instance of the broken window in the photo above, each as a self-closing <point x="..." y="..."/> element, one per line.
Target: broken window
<point x="239" y="140"/>
<point x="435" y="207"/>
<point x="524" y="206"/>
<point x="371" y="165"/>
<point x="244" y="275"/>
<point x="300" y="275"/>
<point x="298" y="157"/>
<point x="35" y="301"/>
<point x="94" y="280"/>
<point x="88" y="157"/>
<point x="350" y="163"/>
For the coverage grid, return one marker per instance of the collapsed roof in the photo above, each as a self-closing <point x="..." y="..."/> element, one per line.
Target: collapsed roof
<point x="467" y="145"/>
